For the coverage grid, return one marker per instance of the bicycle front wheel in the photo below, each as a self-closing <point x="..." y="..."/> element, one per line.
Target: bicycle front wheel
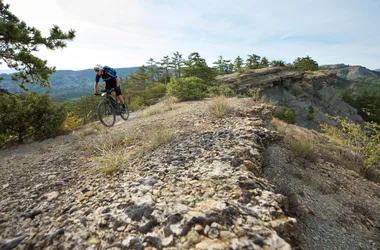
<point x="124" y="114"/>
<point x="106" y="114"/>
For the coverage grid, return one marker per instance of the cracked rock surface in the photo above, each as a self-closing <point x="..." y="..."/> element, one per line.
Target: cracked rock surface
<point x="201" y="190"/>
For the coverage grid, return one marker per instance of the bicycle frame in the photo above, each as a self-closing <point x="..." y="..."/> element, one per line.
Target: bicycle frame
<point x="115" y="104"/>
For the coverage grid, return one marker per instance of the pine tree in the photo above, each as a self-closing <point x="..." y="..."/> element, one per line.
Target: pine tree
<point x="19" y="41"/>
<point x="153" y="69"/>
<point x="165" y="64"/>
<point x="197" y="66"/>
<point x="252" y="61"/>
<point x="306" y="63"/>
<point x="238" y="63"/>
<point x="177" y="63"/>
<point x="220" y="65"/>
<point x="264" y="62"/>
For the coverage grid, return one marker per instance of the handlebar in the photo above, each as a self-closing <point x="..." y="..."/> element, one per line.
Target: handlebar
<point x="107" y="92"/>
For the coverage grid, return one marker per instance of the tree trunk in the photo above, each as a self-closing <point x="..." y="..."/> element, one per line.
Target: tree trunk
<point x="20" y="139"/>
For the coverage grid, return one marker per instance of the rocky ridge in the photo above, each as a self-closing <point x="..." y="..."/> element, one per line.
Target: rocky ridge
<point x="347" y="72"/>
<point x="202" y="190"/>
<point x="295" y="89"/>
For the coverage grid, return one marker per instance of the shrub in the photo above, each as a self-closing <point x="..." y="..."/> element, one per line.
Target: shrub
<point x="362" y="143"/>
<point x="188" y="88"/>
<point x="220" y="91"/>
<point x="220" y="106"/>
<point x="306" y="63"/>
<point x="30" y="114"/>
<point x="255" y="94"/>
<point x="72" y="122"/>
<point x="287" y="115"/>
<point x="136" y="103"/>
<point x="300" y="145"/>
<point x="310" y="115"/>
<point x="154" y="92"/>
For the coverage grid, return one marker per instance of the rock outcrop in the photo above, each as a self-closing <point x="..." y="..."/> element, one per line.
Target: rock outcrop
<point x="200" y="191"/>
<point x="347" y="72"/>
<point x="289" y="87"/>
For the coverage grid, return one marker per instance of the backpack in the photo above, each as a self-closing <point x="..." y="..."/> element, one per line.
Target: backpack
<point x="110" y="71"/>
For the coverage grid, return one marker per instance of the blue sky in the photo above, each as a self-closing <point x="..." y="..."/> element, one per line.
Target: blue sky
<point x="124" y="33"/>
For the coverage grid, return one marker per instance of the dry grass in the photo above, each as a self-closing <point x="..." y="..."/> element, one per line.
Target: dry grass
<point x="300" y="145"/>
<point x="116" y="152"/>
<point x="299" y="140"/>
<point x="159" y="137"/>
<point x="170" y="104"/>
<point x="220" y="106"/>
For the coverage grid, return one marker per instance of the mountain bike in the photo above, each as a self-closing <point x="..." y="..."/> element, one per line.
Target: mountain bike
<point x="109" y="108"/>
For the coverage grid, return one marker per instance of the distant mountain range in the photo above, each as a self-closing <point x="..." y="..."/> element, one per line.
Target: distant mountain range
<point x="348" y="72"/>
<point x="65" y="84"/>
<point x="378" y="70"/>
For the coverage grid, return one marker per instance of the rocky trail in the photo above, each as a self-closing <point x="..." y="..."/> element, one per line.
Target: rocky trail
<point x="202" y="189"/>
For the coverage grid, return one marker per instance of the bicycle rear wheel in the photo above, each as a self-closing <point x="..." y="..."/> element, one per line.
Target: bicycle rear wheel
<point x="124" y="115"/>
<point x="106" y="114"/>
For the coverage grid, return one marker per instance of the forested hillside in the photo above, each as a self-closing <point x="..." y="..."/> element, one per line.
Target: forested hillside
<point x="65" y="84"/>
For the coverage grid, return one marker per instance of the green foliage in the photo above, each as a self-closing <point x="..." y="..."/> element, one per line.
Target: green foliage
<point x="30" y="114"/>
<point x="86" y="108"/>
<point x="71" y="122"/>
<point x="220" y="91"/>
<point x="136" y="102"/>
<point x="154" y="92"/>
<point x="306" y="63"/>
<point x="366" y="100"/>
<point x="287" y="115"/>
<point x="239" y="63"/>
<point x="310" y="115"/>
<point x="177" y="63"/>
<point x="277" y="63"/>
<point x="362" y="143"/>
<point x="255" y="93"/>
<point x="220" y="65"/>
<point x="20" y="42"/>
<point x="253" y="61"/>
<point x="165" y="64"/>
<point x="197" y="67"/>
<point x="188" y="88"/>
<point x="264" y="62"/>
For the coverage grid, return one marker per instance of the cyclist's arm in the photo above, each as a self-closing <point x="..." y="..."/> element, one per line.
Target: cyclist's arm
<point x="97" y="78"/>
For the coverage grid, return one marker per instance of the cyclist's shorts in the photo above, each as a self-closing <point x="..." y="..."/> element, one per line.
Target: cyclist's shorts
<point x="111" y="84"/>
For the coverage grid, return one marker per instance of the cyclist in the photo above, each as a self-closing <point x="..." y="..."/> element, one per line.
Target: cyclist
<point x="108" y="74"/>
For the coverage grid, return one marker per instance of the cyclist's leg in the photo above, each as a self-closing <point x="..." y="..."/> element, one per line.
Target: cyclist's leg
<point x="108" y="86"/>
<point x="118" y="90"/>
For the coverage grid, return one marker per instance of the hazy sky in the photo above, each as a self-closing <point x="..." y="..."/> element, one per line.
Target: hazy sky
<point x="125" y="33"/>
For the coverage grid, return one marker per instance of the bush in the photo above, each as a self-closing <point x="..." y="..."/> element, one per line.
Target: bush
<point x="310" y="115"/>
<point x="361" y="143"/>
<point x="154" y="92"/>
<point x="220" y="91"/>
<point x="30" y="114"/>
<point x="136" y="103"/>
<point x="186" y="89"/>
<point x="306" y="63"/>
<point x="287" y="115"/>
<point x="301" y="146"/>
<point x="72" y="122"/>
<point x="86" y="108"/>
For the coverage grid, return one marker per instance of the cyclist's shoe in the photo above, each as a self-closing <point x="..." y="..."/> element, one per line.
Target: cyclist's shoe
<point x="96" y="93"/>
<point x="124" y="109"/>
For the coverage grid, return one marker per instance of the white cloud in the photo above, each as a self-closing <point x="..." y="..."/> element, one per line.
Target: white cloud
<point x="127" y="33"/>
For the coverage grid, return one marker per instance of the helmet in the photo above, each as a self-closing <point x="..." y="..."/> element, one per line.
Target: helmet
<point x="98" y="67"/>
